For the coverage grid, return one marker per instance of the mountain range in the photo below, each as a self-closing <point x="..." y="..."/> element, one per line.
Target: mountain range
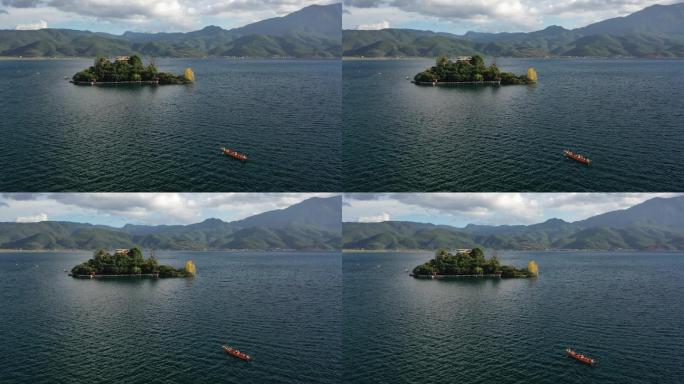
<point x="656" y="31"/>
<point x="314" y="224"/>
<point x="312" y="32"/>
<point x="656" y="224"/>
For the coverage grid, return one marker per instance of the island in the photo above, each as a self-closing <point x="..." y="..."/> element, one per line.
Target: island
<point x="470" y="70"/>
<point x="128" y="70"/>
<point x="470" y="263"/>
<point x="128" y="263"/>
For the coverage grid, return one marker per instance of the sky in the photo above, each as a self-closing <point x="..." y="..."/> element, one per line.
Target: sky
<point x="142" y="15"/>
<point x="460" y="16"/>
<point x="460" y="209"/>
<point x="117" y="209"/>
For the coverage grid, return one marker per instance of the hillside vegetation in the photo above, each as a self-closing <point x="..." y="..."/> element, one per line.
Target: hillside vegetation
<point x="313" y="224"/>
<point x="657" y="31"/>
<point x="656" y="224"/>
<point x="312" y="32"/>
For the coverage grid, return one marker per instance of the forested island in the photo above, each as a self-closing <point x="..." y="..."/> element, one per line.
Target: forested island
<point x="129" y="263"/>
<point x="470" y="69"/>
<point x="129" y="70"/>
<point x="471" y="263"/>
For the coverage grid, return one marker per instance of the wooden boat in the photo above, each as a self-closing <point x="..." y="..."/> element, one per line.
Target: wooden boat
<point x="580" y="357"/>
<point x="234" y="154"/>
<point x="576" y="156"/>
<point x="235" y="353"/>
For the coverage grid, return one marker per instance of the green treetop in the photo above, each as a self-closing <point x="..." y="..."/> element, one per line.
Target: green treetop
<point x="469" y="70"/>
<point x="129" y="69"/>
<point x="471" y="262"/>
<point x="131" y="262"/>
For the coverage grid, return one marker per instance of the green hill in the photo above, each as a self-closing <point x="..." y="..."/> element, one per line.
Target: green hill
<point x="656" y="224"/>
<point x="310" y="225"/>
<point x="656" y="31"/>
<point x="312" y="32"/>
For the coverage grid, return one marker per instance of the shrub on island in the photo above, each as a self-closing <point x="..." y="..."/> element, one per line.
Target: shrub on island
<point x="129" y="263"/>
<point x="129" y="70"/>
<point x="471" y="70"/>
<point x="471" y="263"/>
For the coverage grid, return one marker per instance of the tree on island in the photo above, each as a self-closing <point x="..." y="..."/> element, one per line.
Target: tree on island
<point x="471" y="263"/>
<point x="130" y="262"/>
<point x="471" y="70"/>
<point x="129" y="69"/>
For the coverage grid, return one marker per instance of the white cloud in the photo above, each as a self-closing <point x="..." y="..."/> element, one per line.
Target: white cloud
<point x="174" y="206"/>
<point x="480" y="207"/>
<point x="374" y="26"/>
<point x="511" y="13"/>
<point x="488" y="208"/>
<point x="492" y="15"/>
<point x="145" y="208"/>
<point x="155" y="15"/>
<point x="32" y="219"/>
<point x="375" y="219"/>
<point x="32" y="26"/>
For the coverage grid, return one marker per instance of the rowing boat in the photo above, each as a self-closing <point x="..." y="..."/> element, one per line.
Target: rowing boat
<point x="576" y="156"/>
<point x="580" y="357"/>
<point x="234" y="154"/>
<point x="235" y="353"/>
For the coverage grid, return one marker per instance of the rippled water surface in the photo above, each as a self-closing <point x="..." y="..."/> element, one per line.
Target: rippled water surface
<point x="282" y="308"/>
<point x="624" y="309"/>
<point x="284" y="114"/>
<point x="625" y="115"/>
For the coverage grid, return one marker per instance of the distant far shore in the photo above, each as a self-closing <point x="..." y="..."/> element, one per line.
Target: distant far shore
<point x="358" y="58"/>
<point x="4" y="250"/>
<point x="386" y="250"/>
<point x="409" y="58"/>
<point x="174" y="250"/>
<point x="16" y="58"/>
<point x="512" y="250"/>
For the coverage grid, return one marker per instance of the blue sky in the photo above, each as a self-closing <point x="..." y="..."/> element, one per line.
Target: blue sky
<point x="460" y="209"/>
<point x="142" y="15"/>
<point x="117" y="209"/>
<point x="460" y="16"/>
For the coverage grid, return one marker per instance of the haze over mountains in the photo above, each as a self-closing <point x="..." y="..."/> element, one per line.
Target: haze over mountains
<point x="314" y="224"/>
<point x="656" y="31"/>
<point x="656" y="224"/>
<point x="312" y="32"/>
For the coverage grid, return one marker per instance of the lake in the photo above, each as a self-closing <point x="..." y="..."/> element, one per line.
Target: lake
<point x="624" y="309"/>
<point x="281" y="308"/>
<point x="625" y="115"/>
<point x="284" y="114"/>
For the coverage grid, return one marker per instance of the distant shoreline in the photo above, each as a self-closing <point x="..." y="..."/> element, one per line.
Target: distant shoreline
<point x="386" y="250"/>
<point x="90" y="58"/>
<point x="510" y="250"/>
<point x="358" y="58"/>
<point x="410" y="58"/>
<point x="15" y="58"/>
<point x="176" y="250"/>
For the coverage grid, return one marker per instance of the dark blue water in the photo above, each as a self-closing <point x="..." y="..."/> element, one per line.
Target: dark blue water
<point x="625" y="115"/>
<point x="285" y="114"/>
<point x="624" y="309"/>
<point x="282" y="308"/>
